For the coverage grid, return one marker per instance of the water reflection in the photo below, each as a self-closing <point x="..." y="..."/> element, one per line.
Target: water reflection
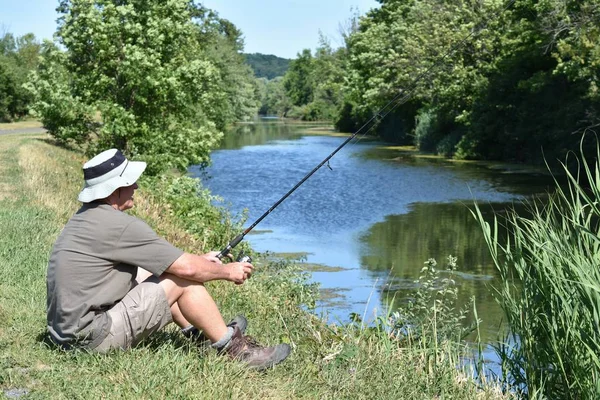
<point x="402" y="243"/>
<point x="261" y="132"/>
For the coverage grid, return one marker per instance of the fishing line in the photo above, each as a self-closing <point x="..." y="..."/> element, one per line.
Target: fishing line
<point x="402" y="97"/>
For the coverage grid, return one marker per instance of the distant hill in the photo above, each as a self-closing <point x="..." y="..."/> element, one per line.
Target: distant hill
<point x="267" y="65"/>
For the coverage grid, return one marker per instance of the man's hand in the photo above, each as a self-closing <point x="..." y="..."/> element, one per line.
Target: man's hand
<point x="239" y="272"/>
<point x="212" y="257"/>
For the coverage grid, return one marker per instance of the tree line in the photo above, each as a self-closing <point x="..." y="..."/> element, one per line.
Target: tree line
<point x="267" y="66"/>
<point x="480" y="79"/>
<point x="484" y="79"/>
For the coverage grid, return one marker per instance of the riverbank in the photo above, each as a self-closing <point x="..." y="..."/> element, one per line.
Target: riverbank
<point x="38" y="187"/>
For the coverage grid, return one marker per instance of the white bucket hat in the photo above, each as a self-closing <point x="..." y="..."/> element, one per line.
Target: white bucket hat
<point x="107" y="172"/>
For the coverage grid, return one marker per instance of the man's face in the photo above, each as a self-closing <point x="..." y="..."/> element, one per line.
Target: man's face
<point x="125" y="197"/>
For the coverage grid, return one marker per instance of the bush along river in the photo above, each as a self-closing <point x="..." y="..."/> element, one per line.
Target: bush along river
<point x="368" y="222"/>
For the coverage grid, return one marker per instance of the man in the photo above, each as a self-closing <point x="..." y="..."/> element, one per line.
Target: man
<point x="93" y="298"/>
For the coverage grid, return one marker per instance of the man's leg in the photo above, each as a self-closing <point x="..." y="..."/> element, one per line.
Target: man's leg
<point x="195" y="305"/>
<point x="141" y="312"/>
<point x="147" y="308"/>
<point x="178" y="317"/>
<point x="188" y="329"/>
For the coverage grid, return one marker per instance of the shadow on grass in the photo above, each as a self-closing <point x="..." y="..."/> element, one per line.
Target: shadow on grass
<point x="63" y="145"/>
<point x="171" y="338"/>
<point x="156" y="342"/>
<point x="44" y="338"/>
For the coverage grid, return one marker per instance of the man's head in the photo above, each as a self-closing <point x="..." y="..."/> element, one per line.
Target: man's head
<point x="111" y="176"/>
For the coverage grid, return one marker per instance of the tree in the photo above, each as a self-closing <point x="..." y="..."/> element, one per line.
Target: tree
<point x="541" y="91"/>
<point x="138" y="65"/>
<point x="480" y="79"/>
<point x="313" y="83"/>
<point x="574" y="27"/>
<point x="278" y="102"/>
<point x="327" y="77"/>
<point x="18" y="57"/>
<point x="67" y="117"/>
<point x="298" y="81"/>
<point x="222" y="43"/>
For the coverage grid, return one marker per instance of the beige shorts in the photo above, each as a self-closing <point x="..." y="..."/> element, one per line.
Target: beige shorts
<point x="143" y="311"/>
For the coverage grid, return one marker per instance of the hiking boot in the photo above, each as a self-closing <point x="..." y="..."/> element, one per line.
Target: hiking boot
<point x="200" y="338"/>
<point x="247" y="350"/>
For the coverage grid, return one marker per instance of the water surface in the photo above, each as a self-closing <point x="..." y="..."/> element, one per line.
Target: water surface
<point x="374" y="212"/>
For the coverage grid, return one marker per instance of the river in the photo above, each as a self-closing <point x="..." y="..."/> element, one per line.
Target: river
<point x="368" y="221"/>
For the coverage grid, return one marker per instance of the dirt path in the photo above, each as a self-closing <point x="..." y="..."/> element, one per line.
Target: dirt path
<point x="22" y="130"/>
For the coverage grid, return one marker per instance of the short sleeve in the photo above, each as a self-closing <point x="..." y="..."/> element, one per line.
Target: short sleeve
<point x="139" y="245"/>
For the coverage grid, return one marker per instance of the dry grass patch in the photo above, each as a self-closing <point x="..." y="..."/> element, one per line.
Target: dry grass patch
<point x="52" y="176"/>
<point x="5" y="191"/>
<point x="20" y="125"/>
<point x="8" y="144"/>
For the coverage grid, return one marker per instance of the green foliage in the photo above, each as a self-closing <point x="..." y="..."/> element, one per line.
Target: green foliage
<point x="159" y="80"/>
<point x="274" y="100"/>
<point x="193" y="207"/>
<point x="550" y="289"/>
<point x="425" y="130"/>
<point x="18" y="57"/>
<point x="313" y="84"/>
<point x="413" y="52"/>
<point x="502" y="83"/>
<point x="237" y="98"/>
<point x="267" y="65"/>
<point x="298" y="81"/>
<point x="529" y="101"/>
<point x="328" y="77"/>
<point x="68" y="118"/>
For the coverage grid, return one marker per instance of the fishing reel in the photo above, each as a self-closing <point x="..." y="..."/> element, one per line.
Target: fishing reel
<point x="243" y="258"/>
<point x="240" y="258"/>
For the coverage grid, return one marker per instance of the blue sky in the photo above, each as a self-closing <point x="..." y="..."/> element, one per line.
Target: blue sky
<point x="281" y="27"/>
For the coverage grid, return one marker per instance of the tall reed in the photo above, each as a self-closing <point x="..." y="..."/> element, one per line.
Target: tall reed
<point x="550" y="290"/>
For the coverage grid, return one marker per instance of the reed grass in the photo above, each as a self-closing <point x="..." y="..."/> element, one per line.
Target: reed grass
<point x="550" y="292"/>
<point x="41" y="181"/>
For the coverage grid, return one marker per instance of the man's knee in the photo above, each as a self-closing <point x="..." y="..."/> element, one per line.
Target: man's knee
<point x="175" y="286"/>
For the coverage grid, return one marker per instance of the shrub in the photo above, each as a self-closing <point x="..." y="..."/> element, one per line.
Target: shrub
<point x="194" y="209"/>
<point x="431" y="316"/>
<point x="425" y="129"/>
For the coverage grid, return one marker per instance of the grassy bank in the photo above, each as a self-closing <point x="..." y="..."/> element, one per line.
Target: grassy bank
<point x="38" y="187"/>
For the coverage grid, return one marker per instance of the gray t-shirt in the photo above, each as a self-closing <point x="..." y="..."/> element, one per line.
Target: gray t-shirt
<point x="92" y="267"/>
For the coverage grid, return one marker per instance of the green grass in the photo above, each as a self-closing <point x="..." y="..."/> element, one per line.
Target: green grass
<point x="38" y="186"/>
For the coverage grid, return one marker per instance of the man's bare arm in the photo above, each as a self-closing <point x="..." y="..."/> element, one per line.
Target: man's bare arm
<point x="206" y="268"/>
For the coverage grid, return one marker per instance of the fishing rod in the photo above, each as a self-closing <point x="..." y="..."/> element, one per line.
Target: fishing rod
<point x="399" y="99"/>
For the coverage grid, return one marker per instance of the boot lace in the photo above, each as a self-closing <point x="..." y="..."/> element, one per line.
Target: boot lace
<point x="251" y="342"/>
